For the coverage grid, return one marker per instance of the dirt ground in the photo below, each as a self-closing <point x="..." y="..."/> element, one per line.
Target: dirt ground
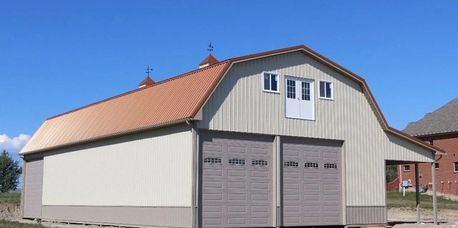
<point x="398" y="217"/>
<point x="9" y="211"/>
<point x="405" y="218"/>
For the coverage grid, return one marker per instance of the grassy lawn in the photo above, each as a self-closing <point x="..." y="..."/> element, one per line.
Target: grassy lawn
<point x="395" y="199"/>
<point x="14" y="198"/>
<point x="7" y="224"/>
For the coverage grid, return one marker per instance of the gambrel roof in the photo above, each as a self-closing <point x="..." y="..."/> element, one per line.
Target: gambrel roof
<point x="175" y="100"/>
<point x="442" y="121"/>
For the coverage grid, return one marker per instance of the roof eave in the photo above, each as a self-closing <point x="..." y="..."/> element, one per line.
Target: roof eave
<point x="436" y="150"/>
<point x="117" y="134"/>
<point x="436" y="134"/>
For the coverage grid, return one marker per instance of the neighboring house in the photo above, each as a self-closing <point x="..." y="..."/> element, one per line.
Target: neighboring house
<point x="280" y="138"/>
<point x="439" y="128"/>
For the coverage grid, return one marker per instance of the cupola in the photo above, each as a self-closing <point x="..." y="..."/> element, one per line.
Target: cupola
<point x="210" y="60"/>
<point x="147" y="82"/>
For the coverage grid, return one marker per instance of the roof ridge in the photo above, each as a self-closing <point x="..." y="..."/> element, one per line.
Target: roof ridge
<point x="439" y="121"/>
<point x="262" y="53"/>
<point x="190" y="72"/>
<point x="138" y="89"/>
<point x="442" y="107"/>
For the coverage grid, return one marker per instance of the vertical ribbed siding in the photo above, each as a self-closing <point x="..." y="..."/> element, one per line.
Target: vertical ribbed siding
<point x="240" y="105"/>
<point x="148" y="169"/>
<point x="33" y="186"/>
<point x="366" y="215"/>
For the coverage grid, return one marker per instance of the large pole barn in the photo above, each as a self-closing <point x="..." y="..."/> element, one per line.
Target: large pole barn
<point x="283" y="138"/>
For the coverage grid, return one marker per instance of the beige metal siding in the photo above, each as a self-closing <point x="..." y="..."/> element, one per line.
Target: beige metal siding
<point x="121" y="216"/>
<point x="366" y="215"/>
<point x="147" y="169"/>
<point x="33" y="184"/>
<point x="240" y="105"/>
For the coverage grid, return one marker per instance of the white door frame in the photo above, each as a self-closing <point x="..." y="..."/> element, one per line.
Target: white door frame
<point x="296" y="107"/>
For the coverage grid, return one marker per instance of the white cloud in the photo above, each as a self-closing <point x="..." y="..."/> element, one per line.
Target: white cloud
<point x="14" y="144"/>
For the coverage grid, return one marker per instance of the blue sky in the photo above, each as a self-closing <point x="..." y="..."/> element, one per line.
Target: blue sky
<point x="59" y="55"/>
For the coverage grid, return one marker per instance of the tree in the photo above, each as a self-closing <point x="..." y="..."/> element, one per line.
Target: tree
<point x="9" y="172"/>
<point x="391" y="173"/>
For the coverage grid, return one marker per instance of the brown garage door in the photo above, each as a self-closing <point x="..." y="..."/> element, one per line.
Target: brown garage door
<point x="311" y="182"/>
<point x="236" y="180"/>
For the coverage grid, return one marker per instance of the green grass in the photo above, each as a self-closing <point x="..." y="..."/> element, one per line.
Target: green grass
<point x="13" y="197"/>
<point x="395" y="199"/>
<point x="8" y="224"/>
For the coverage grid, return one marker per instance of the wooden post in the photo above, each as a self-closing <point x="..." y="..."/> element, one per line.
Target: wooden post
<point x="433" y="175"/>
<point x="417" y="192"/>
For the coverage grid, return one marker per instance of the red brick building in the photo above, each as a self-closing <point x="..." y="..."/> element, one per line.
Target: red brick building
<point x="439" y="128"/>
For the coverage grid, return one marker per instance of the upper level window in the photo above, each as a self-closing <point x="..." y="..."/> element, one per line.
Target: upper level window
<point x="270" y="82"/>
<point x="291" y="89"/>
<point x="436" y="165"/>
<point x="406" y="167"/>
<point x="326" y="90"/>
<point x="455" y="166"/>
<point x="305" y="91"/>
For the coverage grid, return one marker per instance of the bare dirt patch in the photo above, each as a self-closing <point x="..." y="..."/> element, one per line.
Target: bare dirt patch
<point x="407" y="217"/>
<point x="9" y="211"/>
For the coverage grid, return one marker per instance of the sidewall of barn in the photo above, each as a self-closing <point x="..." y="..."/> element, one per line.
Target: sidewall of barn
<point x="141" y="179"/>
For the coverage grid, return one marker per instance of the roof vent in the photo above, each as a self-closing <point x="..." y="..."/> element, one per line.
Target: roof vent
<point x="210" y="60"/>
<point x="147" y="82"/>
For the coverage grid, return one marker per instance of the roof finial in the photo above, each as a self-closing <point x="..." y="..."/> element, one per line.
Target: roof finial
<point x="148" y="70"/>
<point x="210" y="47"/>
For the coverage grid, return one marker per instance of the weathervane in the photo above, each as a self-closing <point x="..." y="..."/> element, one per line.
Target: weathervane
<point x="148" y="70"/>
<point x="210" y="47"/>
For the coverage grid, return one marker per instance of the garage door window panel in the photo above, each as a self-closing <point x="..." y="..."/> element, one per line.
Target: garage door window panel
<point x="212" y="161"/>
<point x="291" y="164"/>
<point x="311" y="165"/>
<point x="259" y="163"/>
<point x="236" y="161"/>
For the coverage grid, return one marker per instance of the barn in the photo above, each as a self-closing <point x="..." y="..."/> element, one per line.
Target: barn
<point x="283" y="138"/>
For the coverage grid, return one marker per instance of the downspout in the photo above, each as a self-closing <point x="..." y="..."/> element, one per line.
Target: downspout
<point x="400" y="178"/>
<point x="433" y="180"/>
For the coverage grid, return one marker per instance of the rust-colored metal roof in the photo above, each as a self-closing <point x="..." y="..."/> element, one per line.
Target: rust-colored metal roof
<point x="171" y="101"/>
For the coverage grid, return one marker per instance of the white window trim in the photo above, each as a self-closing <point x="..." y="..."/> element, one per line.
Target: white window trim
<point x="278" y="82"/>
<point x="332" y="91"/>
<point x="310" y="80"/>
<point x="454" y="170"/>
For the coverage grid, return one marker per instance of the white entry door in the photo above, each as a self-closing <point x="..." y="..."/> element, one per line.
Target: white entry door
<point x="300" y="98"/>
